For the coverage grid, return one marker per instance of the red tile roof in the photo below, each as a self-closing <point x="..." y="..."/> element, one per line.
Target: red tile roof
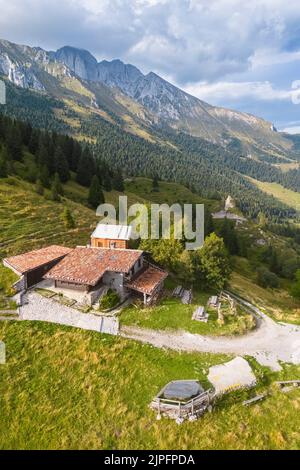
<point x="34" y="259"/>
<point x="88" y="265"/>
<point x="148" y="280"/>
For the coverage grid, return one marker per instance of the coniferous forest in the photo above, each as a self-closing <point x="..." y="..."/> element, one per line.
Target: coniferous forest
<point x="112" y="154"/>
<point x="55" y="158"/>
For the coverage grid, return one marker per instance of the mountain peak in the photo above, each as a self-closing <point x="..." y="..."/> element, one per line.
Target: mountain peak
<point x="79" y="61"/>
<point x="166" y="103"/>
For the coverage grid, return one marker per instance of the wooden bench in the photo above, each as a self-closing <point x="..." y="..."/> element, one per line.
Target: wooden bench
<point x="255" y="399"/>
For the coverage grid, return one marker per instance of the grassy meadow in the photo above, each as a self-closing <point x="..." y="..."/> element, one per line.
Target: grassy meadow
<point x="277" y="303"/>
<point x="287" y="196"/>
<point x="64" y="388"/>
<point x="167" y="193"/>
<point x="171" y="314"/>
<point x="30" y="221"/>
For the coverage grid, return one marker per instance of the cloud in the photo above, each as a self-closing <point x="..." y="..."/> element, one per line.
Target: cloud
<point x="292" y="130"/>
<point x="221" y="50"/>
<point x="235" y="91"/>
<point x="190" y="40"/>
<point x="104" y="27"/>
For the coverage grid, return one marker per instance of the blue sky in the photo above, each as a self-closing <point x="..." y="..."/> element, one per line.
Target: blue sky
<point x="232" y="53"/>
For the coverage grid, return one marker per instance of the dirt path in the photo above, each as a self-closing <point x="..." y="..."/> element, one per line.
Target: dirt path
<point x="270" y="343"/>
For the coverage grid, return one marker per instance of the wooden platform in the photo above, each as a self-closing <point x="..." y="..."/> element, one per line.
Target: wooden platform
<point x="180" y="410"/>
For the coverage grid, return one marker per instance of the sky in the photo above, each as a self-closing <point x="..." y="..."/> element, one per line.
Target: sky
<point x="232" y="53"/>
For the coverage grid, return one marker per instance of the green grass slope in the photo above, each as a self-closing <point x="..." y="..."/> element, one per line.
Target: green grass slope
<point x="30" y="221"/>
<point x="67" y="389"/>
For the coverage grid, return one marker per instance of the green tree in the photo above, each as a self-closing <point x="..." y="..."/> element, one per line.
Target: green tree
<point x="39" y="188"/>
<point x="212" y="265"/>
<point x="68" y="218"/>
<point x="3" y="166"/>
<point x="295" y="288"/>
<point x="14" y="143"/>
<point x="86" y="168"/>
<point x="56" y="189"/>
<point x="44" y="176"/>
<point x="262" y="220"/>
<point x="107" y="183"/>
<point x="96" y="196"/>
<point x="274" y="262"/>
<point x="155" y="184"/>
<point x="265" y="278"/>
<point x="208" y="222"/>
<point x="118" y="181"/>
<point x="165" y="252"/>
<point x="61" y="165"/>
<point x="43" y="156"/>
<point x="34" y="142"/>
<point x="186" y="268"/>
<point x="228" y="233"/>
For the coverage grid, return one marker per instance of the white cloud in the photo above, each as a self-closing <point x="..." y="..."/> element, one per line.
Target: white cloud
<point x="220" y="50"/>
<point x="292" y="130"/>
<point x="190" y="40"/>
<point x="267" y="57"/>
<point x="234" y="91"/>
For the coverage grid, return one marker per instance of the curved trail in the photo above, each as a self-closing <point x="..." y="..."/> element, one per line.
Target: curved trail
<point x="269" y="344"/>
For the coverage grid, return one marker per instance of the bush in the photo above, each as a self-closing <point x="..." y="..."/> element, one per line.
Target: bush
<point x="295" y="288"/>
<point x="267" y="279"/>
<point x="110" y="300"/>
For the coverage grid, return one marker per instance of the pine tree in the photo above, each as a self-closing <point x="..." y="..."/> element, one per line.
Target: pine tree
<point x="61" y="165"/>
<point x="34" y="142"/>
<point x="96" y="196"/>
<point x="44" y="176"/>
<point x="227" y="232"/>
<point x="68" y="218"/>
<point x="86" y="168"/>
<point x="42" y="155"/>
<point x="76" y="154"/>
<point x="107" y="184"/>
<point x="39" y="188"/>
<point x="274" y="262"/>
<point x="118" y="181"/>
<point x="14" y="143"/>
<point x="3" y="166"/>
<point x="56" y="188"/>
<point x="155" y="184"/>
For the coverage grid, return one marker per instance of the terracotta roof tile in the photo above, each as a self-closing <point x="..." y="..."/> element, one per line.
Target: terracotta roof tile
<point x="34" y="259"/>
<point x="88" y="265"/>
<point x="148" y="280"/>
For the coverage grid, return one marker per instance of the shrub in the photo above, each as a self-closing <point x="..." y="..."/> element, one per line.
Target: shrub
<point x="110" y="300"/>
<point x="295" y="288"/>
<point x="68" y="219"/>
<point x="267" y="279"/>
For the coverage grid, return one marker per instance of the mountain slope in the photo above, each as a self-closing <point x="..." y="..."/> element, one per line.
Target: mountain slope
<point x="140" y="101"/>
<point x="208" y="169"/>
<point x="179" y="109"/>
<point x="132" y="137"/>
